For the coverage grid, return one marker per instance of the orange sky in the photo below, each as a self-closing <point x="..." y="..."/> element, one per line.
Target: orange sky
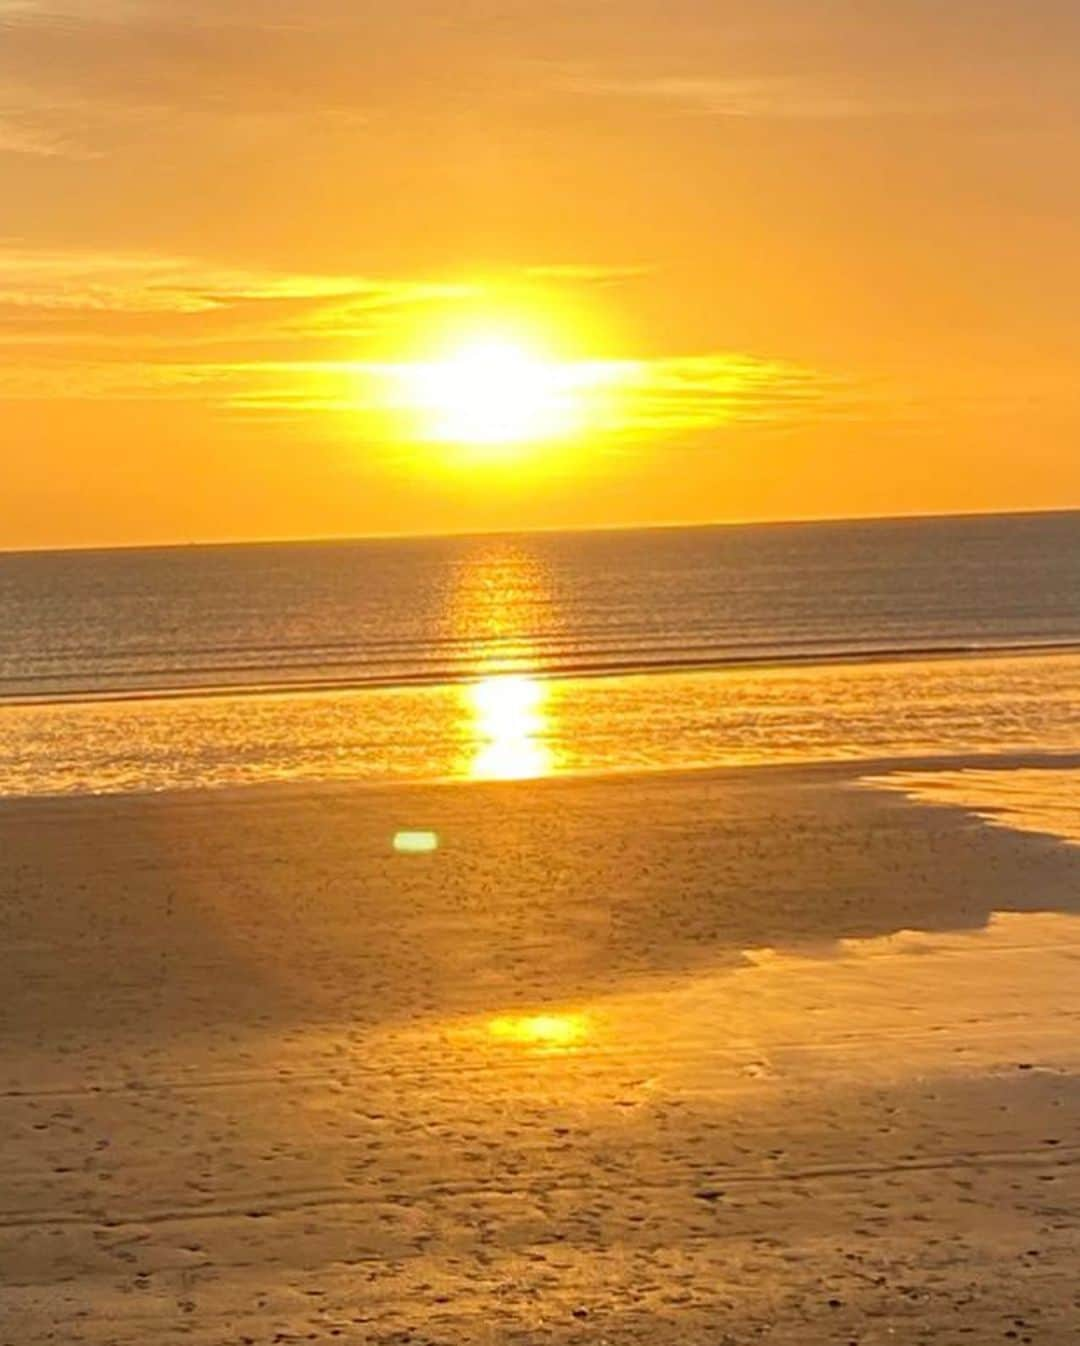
<point x="835" y="241"/>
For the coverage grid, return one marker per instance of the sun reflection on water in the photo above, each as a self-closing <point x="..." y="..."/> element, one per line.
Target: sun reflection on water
<point x="509" y="725"/>
<point x="505" y="713"/>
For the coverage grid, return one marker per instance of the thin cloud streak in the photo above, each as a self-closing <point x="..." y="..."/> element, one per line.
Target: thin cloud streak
<point x="36" y="142"/>
<point x="103" y="286"/>
<point x="766" y="97"/>
<point x="641" y="398"/>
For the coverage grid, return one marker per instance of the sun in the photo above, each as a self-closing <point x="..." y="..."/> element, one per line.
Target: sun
<point x="491" y="391"/>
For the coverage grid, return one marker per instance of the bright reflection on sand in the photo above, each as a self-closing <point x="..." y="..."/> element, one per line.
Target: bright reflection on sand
<point x="822" y="1018"/>
<point x="509" y="725"/>
<point x="550" y="1032"/>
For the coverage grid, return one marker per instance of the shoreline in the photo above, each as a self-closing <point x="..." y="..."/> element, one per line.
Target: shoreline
<point x="813" y="771"/>
<point x="520" y="728"/>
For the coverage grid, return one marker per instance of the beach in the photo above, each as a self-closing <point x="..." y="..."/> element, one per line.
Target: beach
<point x="718" y="1056"/>
<point x="539" y="673"/>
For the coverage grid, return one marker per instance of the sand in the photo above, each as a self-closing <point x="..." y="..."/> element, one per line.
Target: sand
<point x="716" y="1057"/>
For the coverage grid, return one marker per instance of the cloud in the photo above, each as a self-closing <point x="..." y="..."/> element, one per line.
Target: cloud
<point x="119" y="326"/>
<point x="585" y="274"/>
<point x="699" y="392"/>
<point x="771" y="97"/>
<point x="622" y="400"/>
<point x="103" y="299"/>
<point x="625" y="400"/>
<point x="16" y="137"/>
<point x="231" y="62"/>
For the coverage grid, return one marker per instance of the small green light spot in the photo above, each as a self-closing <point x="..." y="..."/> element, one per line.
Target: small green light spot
<point x="416" y="843"/>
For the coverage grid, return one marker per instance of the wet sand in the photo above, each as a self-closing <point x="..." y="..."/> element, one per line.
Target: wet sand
<point x="724" y="1057"/>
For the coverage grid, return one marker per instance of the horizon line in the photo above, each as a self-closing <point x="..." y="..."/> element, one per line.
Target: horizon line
<point x="347" y="538"/>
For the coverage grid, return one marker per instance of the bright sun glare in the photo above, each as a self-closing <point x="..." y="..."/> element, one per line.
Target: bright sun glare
<point x="491" y="391"/>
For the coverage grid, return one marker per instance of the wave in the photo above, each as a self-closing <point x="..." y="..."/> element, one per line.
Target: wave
<point x="431" y="670"/>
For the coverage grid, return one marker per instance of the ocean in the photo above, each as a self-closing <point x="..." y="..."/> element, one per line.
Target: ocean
<point x="523" y="655"/>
